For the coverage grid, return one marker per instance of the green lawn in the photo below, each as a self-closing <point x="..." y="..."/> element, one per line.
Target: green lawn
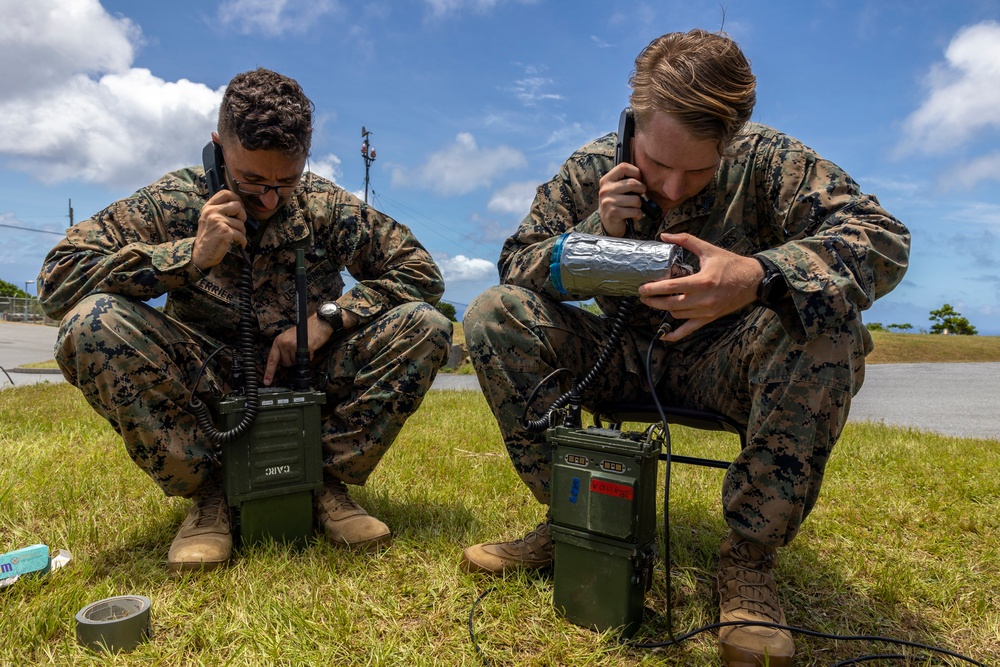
<point x="901" y="348"/>
<point x="903" y="543"/>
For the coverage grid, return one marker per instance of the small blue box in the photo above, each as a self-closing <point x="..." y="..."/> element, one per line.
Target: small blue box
<point x="24" y="561"/>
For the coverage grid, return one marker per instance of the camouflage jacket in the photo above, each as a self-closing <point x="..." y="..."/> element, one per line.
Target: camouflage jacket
<point x="141" y="247"/>
<point x="837" y="248"/>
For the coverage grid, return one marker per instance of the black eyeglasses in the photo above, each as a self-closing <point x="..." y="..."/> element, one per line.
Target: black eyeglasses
<point x="260" y="189"/>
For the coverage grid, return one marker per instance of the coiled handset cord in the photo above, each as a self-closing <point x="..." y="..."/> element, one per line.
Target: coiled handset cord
<point x="576" y="392"/>
<point x="573" y="397"/>
<point x="244" y="368"/>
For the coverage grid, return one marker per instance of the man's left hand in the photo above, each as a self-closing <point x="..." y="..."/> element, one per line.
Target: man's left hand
<point x="285" y="345"/>
<point x="725" y="283"/>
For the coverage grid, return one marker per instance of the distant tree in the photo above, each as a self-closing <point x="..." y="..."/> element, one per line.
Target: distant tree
<point x="447" y="310"/>
<point x="591" y="307"/>
<point x="947" y="320"/>
<point x="900" y="327"/>
<point x="6" y="289"/>
<point x="875" y="326"/>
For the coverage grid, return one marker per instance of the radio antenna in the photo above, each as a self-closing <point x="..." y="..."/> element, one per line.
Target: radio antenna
<point x="368" y="153"/>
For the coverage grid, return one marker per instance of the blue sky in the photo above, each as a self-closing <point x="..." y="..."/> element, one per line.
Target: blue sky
<point x="472" y="103"/>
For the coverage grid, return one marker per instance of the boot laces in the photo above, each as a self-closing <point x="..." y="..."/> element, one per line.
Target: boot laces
<point x="211" y="510"/>
<point x="536" y="540"/>
<point x="338" y="498"/>
<point x="755" y="589"/>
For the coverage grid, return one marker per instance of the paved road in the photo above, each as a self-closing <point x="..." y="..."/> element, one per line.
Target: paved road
<point x="954" y="399"/>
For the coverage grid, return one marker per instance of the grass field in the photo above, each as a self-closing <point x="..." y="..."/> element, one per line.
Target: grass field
<point x="903" y="543"/>
<point x="900" y="348"/>
<point x="897" y="348"/>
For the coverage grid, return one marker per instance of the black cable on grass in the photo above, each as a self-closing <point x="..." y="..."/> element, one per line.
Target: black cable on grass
<point x="811" y="633"/>
<point x="869" y="658"/>
<point x="472" y="632"/>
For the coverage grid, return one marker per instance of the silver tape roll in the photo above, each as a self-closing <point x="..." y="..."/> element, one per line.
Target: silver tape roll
<point x="114" y="624"/>
<point x="586" y="265"/>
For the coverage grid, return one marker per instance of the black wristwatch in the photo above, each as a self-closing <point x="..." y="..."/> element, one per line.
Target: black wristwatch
<point x="331" y="313"/>
<point x="772" y="288"/>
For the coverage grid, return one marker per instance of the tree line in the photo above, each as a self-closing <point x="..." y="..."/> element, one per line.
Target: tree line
<point x="946" y="320"/>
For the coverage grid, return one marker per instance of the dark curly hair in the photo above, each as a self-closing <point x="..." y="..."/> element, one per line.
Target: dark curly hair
<point x="265" y="110"/>
<point x="701" y="78"/>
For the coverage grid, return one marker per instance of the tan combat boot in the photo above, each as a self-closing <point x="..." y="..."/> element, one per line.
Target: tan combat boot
<point x="747" y="592"/>
<point x="532" y="552"/>
<point x="205" y="538"/>
<point x="346" y="523"/>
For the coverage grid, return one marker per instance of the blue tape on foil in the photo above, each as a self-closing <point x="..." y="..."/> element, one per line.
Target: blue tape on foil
<point x="555" y="269"/>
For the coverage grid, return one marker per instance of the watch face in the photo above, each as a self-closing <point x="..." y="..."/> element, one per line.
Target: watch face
<point x="330" y="313"/>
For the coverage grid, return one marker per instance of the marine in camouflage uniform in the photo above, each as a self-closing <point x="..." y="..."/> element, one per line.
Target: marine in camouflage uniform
<point x="768" y="331"/>
<point x="224" y="254"/>
<point x="789" y="375"/>
<point x="138" y="366"/>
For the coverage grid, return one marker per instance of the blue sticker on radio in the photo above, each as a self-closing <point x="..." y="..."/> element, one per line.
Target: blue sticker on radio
<point x="574" y="490"/>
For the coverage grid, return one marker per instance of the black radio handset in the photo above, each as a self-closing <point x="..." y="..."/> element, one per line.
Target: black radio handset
<point x="573" y="397"/>
<point x="211" y="158"/>
<point x="244" y="369"/>
<point x="623" y="153"/>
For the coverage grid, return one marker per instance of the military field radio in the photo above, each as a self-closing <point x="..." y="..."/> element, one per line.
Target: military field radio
<point x="603" y="482"/>
<point x="603" y="525"/>
<point x="268" y="437"/>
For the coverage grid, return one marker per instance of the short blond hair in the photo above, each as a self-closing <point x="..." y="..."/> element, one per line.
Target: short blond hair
<point x="701" y="78"/>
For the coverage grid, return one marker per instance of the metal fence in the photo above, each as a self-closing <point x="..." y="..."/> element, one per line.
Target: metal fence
<point x="21" y="309"/>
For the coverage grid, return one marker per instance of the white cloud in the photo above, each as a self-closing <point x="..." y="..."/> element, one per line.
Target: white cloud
<point x="88" y="115"/>
<point x="443" y="7"/>
<point x="465" y="269"/>
<point x="493" y="232"/>
<point x="977" y="213"/>
<point x="964" y="94"/>
<point x="461" y="167"/>
<point x="529" y="90"/>
<point x="327" y="167"/>
<point x="273" y="17"/>
<point x="44" y="42"/>
<point x="513" y="198"/>
<point x="985" y="168"/>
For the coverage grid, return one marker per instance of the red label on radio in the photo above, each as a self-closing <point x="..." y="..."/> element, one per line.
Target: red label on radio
<point x="612" y="489"/>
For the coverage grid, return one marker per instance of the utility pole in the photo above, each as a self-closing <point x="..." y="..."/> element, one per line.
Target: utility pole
<point x="368" y="153"/>
<point x="70" y="212"/>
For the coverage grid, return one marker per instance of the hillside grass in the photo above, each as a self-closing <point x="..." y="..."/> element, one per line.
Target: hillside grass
<point x="903" y="543"/>
<point x="902" y="348"/>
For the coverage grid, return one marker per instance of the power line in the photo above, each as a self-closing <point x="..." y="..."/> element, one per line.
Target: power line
<point x="461" y="235"/>
<point x="29" y="229"/>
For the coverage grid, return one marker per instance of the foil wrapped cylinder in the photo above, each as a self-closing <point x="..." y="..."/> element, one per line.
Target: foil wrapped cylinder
<point x="586" y="265"/>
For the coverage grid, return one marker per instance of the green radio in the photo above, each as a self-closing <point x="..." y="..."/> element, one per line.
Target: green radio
<point x="272" y="470"/>
<point x="603" y="524"/>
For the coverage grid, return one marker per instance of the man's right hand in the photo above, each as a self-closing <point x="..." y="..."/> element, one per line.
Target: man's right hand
<point x="619" y="198"/>
<point x="221" y="224"/>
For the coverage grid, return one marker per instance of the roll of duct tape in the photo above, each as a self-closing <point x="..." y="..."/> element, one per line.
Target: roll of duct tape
<point x="114" y="624"/>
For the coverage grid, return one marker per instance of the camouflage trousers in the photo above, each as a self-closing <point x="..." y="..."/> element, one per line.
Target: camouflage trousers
<point x="794" y="398"/>
<point x="136" y="367"/>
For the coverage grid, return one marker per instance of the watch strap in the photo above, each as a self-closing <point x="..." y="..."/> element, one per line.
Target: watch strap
<point x="772" y="287"/>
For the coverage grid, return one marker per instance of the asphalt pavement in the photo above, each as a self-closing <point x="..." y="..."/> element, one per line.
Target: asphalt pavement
<point x="953" y="399"/>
